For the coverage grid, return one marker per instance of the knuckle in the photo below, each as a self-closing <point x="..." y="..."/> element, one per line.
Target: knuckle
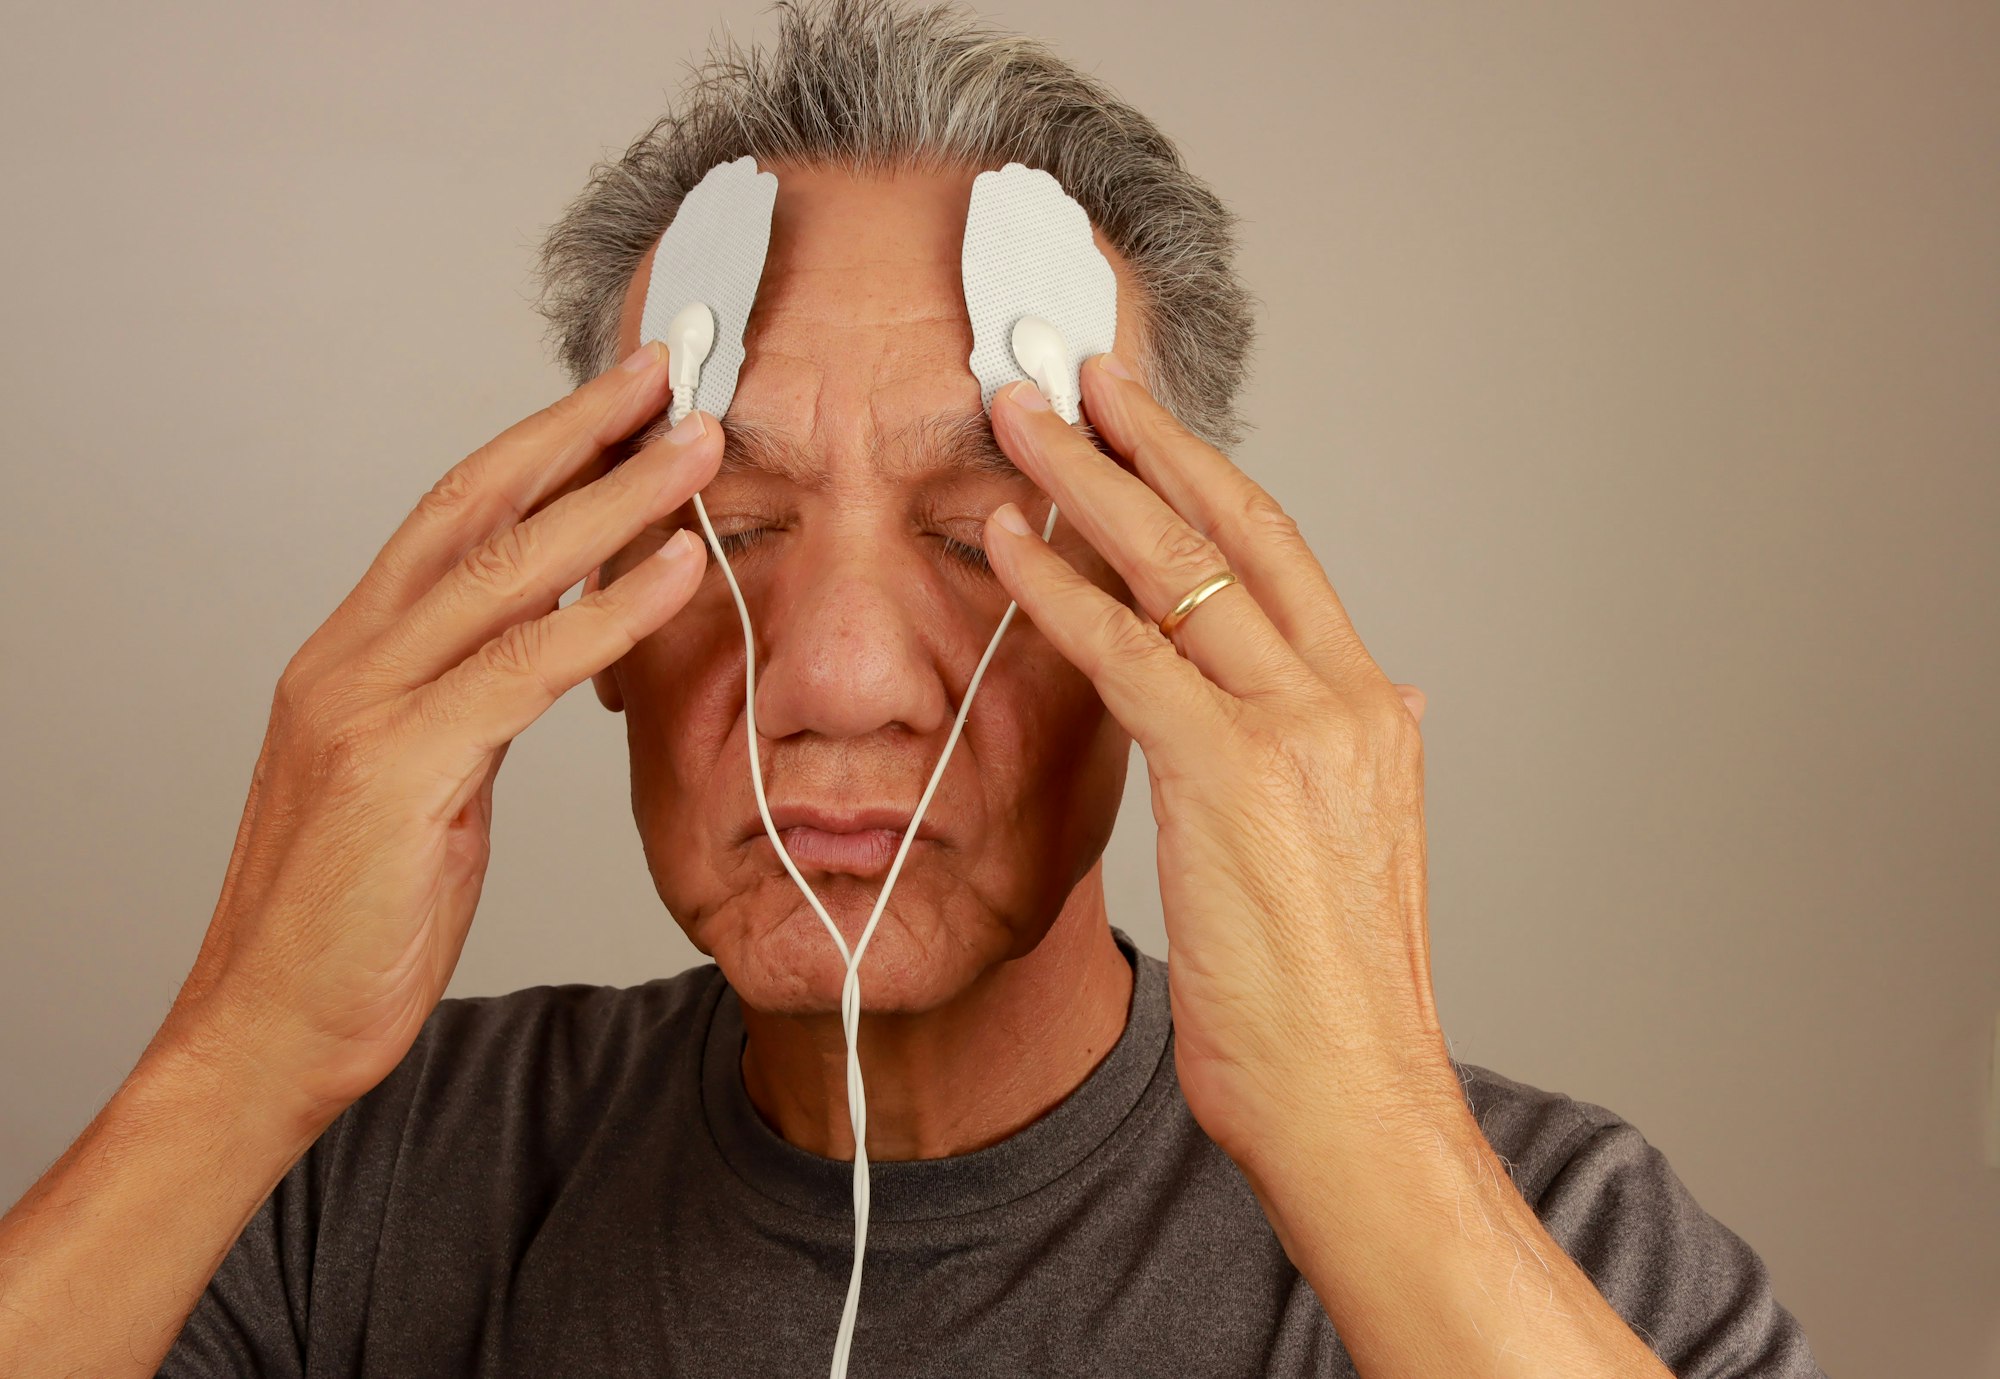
<point x="1123" y="635"/>
<point x="496" y="564"/>
<point x="1336" y="758"/>
<point x="1288" y="768"/>
<point x="572" y="411"/>
<point x="338" y="752"/>
<point x="1263" y="518"/>
<point x="1284" y="764"/>
<point x="520" y="651"/>
<point x="305" y="706"/>
<point x="1327" y="736"/>
<point x="1393" y="728"/>
<point x="294" y="689"/>
<point x="456" y="490"/>
<point x="1373" y="742"/>
<point x="1182" y="549"/>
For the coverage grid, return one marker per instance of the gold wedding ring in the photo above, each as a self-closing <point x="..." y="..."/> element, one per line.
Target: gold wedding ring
<point x="1213" y="584"/>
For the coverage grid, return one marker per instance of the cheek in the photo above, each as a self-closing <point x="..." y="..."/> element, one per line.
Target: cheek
<point x="1052" y="770"/>
<point x="683" y="694"/>
<point x="1046" y="742"/>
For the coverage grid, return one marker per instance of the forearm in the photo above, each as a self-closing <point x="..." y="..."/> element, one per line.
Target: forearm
<point x="104" y="1258"/>
<point x="1429" y="1261"/>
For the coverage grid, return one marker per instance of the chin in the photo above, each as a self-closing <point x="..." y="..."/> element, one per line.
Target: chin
<point x="779" y="957"/>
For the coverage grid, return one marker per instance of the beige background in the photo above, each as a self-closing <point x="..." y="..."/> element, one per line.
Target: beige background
<point x="1631" y="366"/>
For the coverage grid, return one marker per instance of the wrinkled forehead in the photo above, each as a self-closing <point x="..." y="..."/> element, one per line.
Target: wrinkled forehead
<point x="860" y="328"/>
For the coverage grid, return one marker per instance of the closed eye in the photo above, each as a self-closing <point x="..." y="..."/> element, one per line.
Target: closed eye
<point x="736" y="542"/>
<point x="970" y="554"/>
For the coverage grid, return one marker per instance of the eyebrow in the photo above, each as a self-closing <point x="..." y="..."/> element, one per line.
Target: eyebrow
<point x="960" y="442"/>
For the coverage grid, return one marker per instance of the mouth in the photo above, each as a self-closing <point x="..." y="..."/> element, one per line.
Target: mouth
<point x="856" y="842"/>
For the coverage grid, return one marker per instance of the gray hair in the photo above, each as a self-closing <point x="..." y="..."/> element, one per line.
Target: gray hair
<point x="872" y="87"/>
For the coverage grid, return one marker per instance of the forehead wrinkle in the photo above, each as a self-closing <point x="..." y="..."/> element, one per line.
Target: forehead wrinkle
<point x="959" y="442"/>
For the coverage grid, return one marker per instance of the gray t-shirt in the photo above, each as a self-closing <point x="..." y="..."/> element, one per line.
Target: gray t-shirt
<point x="572" y="1180"/>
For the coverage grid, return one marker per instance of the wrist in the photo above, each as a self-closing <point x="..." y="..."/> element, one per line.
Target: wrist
<point x="1369" y="1157"/>
<point x="1351" y="1107"/>
<point x="213" y="1068"/>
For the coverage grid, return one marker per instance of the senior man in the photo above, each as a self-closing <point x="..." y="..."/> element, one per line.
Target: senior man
<point x="1260" y="1159"/>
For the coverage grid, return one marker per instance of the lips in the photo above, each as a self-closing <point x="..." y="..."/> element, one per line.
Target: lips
<point x="859" y="841"/>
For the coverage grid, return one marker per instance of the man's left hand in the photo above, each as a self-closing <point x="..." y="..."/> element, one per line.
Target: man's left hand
<point x="1287" y="775"/>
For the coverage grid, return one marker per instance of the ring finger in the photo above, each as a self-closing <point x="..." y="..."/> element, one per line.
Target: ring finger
<point x="1160" y="557"/>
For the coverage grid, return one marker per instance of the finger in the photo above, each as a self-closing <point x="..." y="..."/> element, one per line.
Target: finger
<point x="492" y="696"/>
<point x="1413" y="700"/>
<point x="520" y="572"/>
<point x="1153" y="692"/>
<point x="1261" y="542"/>
<point x="1160" y="556"/>
<point x="608" y="459"/>
<point x="498" y="485"/>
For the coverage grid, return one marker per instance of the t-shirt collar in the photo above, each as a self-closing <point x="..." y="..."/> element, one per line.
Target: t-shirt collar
<point x="924" y="1189"/>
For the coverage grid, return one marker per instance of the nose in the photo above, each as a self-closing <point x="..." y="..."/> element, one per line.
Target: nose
<point x="842" y="649"/>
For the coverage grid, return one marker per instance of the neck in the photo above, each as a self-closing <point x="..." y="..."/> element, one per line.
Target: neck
<point x="1045" y="1019"/>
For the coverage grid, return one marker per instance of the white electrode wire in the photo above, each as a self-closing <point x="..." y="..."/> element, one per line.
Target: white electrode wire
<point x="850" y="991"/>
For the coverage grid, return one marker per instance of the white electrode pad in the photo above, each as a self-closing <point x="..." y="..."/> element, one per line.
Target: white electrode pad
<point x="1029" y="252"/>
<point x="713" y="253"/>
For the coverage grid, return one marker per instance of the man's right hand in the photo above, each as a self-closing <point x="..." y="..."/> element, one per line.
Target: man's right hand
<point x="364" y="842"/>
<point x="357" y="865"/>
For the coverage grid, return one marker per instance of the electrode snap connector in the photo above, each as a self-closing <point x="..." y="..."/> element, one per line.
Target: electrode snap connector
<point x="690" y="336"/>
<point x="1040" y="351"/>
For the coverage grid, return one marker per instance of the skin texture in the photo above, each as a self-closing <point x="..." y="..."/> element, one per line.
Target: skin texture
<point x="994" y="952"/>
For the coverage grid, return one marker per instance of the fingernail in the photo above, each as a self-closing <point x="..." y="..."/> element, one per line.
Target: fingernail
<point x="682" y="548"/>
<point x="1009" y="516"/>
<point x="688" y="430"/>
<point x="1025" y="394"/>
<point x="641" y="359"/>
<point x="1114" y="366"/>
